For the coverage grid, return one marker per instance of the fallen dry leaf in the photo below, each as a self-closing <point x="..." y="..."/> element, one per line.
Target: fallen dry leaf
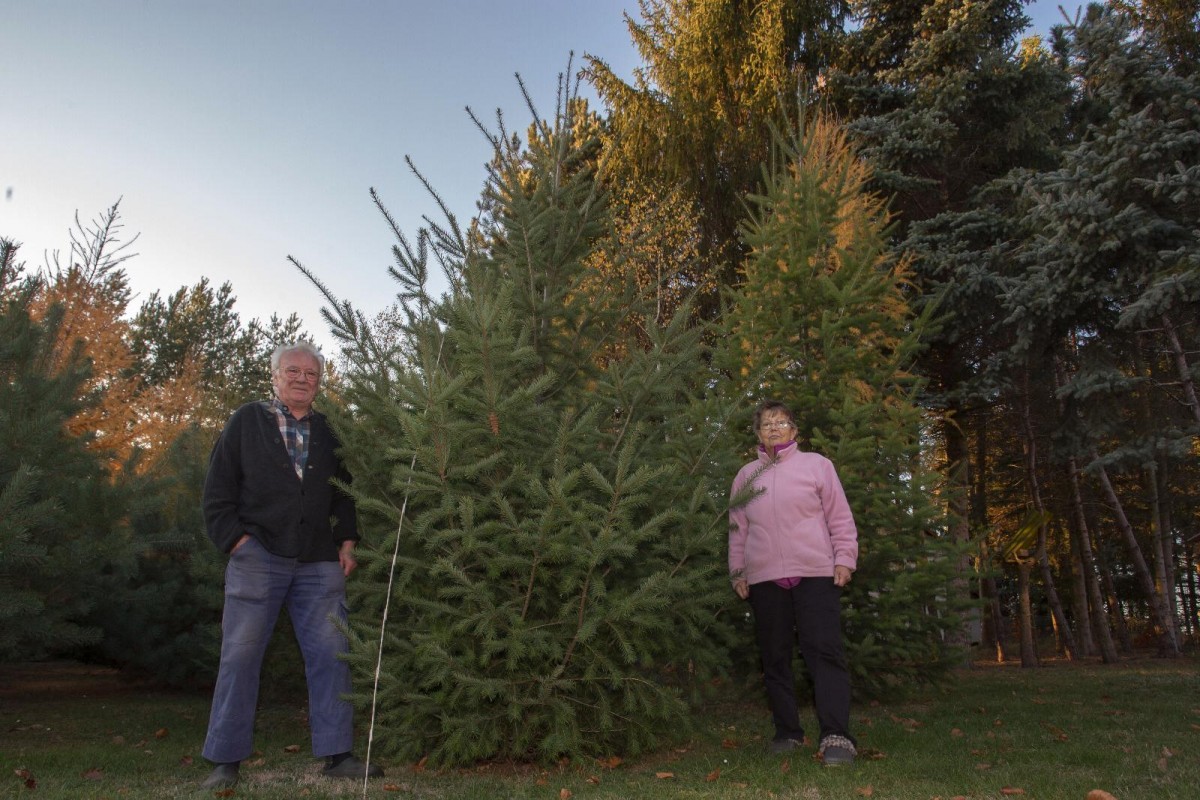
<point x="664" y="774"/>
<point x="564" y="794"/>
<point x="118" y="739"/>
<point x="593" y="779"/>
<point x="161" y="733"/>
<point x="292" y="748"/>
<point x="26" y="776"/>
<point x="257" y="762"/>
<point x="186" y="761"/>
<point x="729" y="744"/>
<point x="1099" y="794"/>
<point x="1011" y="790"/>
<point x="712" y="776"/>
<point x="983" y="766"/>
<point x="611" y="762"/>
<point x="865" y="791"/>
<point x="391" y="787"/>
<point x="93" y="774"/>
<point x="420" y="765"/>
<point x="1167" y="753"/>
<point x="225" y="793"/>
<point x="956" y="733"/>
<point x="785" y="766"/>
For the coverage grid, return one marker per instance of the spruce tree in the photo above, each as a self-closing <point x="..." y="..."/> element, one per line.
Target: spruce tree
<point x="60" y="518"/>
<point x="559" y="556"/>
<point x="1105" y="284"/>
<point x="822" y="324"/>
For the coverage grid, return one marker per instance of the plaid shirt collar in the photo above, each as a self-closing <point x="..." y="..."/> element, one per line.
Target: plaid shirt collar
<point x="296" y="434"/>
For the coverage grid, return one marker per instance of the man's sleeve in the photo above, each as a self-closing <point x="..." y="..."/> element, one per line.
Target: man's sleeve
<point x="222" y="488"/>
<point x="345" y="516"/>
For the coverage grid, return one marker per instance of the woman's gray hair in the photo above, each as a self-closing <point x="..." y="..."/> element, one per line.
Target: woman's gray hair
<point x="299" y="346"/>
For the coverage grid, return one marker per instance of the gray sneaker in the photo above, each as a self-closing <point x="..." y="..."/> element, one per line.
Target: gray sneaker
<point x="837" y="751"/>
<point x="352" y="767"/>
<point x="223" y="776"/>
<point x="781" y="746"/>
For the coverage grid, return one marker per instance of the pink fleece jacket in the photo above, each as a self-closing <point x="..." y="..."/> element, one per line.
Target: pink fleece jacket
<point x="798" y="525"/>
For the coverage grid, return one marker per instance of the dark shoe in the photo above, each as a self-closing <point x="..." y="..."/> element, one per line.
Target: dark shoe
<point x="223" y="776"/>
<point x="781" y="746"/>
<point x="352" y="767"/>
<point x="837" y="755"/>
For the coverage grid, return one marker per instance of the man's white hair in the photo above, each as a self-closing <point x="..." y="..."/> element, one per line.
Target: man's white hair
<point x="299" y="346"/>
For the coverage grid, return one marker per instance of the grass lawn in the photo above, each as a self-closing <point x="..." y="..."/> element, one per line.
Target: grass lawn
<point x="1133" y="730"/>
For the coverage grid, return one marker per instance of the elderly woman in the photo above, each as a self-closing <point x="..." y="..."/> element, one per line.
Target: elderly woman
<point x="792" y="547"/>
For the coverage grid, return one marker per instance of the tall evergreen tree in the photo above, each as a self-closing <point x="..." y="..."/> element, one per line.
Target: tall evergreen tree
<point x="691" y="129"/>
<point x="1108" y="286"/>
<point x="944" y="98"/>
<point x="822" y="323"/>
<point x="60" y="517"/>
<point x="558" y="553"/>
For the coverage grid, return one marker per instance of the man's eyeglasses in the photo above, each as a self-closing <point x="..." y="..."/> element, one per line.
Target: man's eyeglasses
<point x="295" y="373"/>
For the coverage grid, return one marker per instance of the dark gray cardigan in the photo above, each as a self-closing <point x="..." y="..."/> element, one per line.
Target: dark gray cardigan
<point x="251" y="487"/>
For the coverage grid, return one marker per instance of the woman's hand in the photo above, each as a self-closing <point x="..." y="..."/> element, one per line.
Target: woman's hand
<point x="841" y="575"/>
<point x="741" y="588"/>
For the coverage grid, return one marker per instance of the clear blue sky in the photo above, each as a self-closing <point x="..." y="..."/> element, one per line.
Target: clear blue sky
<point x="239" y="132"/>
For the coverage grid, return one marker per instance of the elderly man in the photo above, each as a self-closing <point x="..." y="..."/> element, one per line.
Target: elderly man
<point x="270" y="504"/>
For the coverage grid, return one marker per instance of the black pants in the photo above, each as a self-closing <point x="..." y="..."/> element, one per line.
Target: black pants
<point x="811" y="612"/>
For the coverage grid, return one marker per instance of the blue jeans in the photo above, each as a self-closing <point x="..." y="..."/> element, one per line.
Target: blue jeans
<point x="257" y="585"/>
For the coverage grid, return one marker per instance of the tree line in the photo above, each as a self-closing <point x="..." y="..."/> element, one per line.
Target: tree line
<point x="968" y="260"/>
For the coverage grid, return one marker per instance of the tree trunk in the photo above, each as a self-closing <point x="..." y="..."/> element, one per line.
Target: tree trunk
<point x="1117" y="615"/>
<point x="1167" y="540"/>
<point x="1108" y="651"/>
<point x="1061" y="626"/>
<point x="1181" y="366"/>
<point x="1084" y="626"/>
<point x="958" y="509"/>
<point x="1029" y="657"/>
<point x="993" y="620"/>
<point x="1193" y="607"/>
<point x="1159" y="608"/>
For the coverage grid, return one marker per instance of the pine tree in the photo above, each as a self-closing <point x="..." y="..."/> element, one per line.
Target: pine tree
<point x="559" y="555"/>
<point x="60" y="518"/>
<point x="822" y="324"/>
